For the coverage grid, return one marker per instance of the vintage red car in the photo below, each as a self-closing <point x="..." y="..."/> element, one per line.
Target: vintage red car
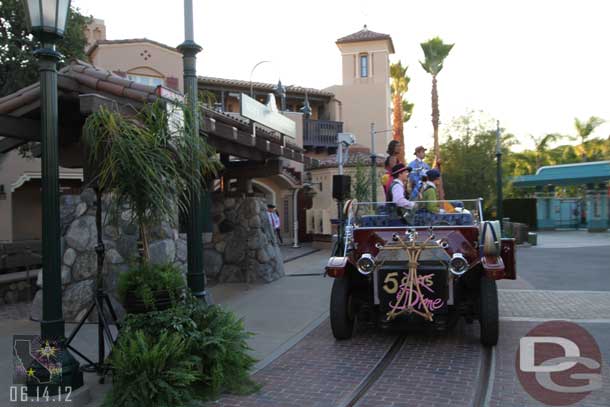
<point x="417" y="265"/>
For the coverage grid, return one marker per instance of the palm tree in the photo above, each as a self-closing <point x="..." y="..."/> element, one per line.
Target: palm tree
<point x="148" y="162"/>
<point x="435" y="52"/>
<point x="541" y="149"/>
<point x="400" y="85"/>
<point x="584" y="131"/>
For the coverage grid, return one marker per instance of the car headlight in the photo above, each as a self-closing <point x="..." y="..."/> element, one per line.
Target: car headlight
<point x="458" y="264"/>
<point x="366" y="264"/>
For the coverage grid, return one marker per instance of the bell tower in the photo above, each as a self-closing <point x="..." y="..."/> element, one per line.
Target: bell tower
<point x="365" y="90"/>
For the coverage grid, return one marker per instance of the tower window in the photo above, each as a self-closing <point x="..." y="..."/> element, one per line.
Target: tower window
<point x="364" y="66"/>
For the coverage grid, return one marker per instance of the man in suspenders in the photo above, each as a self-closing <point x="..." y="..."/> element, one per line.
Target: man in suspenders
<point x="396" y="192"/>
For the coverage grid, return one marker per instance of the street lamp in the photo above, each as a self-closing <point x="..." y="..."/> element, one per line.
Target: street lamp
<point x="195" y="275"/>
<point x="374" y="161"/>
<point x="499" y="172"/>
<point x="47" y="20"/>
<point x="251" y="73"/>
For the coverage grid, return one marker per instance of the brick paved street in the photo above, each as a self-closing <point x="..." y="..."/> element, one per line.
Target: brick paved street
<point x="508" y="392"/>
<point x="430" y="371"/>
<point x="554" y="304"/>
<point x="318" y="371"/>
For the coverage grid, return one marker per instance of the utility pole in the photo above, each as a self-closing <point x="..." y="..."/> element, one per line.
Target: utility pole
<point x="499" y="172"/>
<point x="374" y="161"/>
<point x="373" y="165"/>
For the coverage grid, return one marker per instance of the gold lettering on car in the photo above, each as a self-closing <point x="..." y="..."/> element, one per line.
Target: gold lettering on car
<point x="390" y="283"/>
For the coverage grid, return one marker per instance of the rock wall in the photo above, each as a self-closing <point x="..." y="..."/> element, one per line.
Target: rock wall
<point x="79" y="260"/>
<point x="244" y="247"/>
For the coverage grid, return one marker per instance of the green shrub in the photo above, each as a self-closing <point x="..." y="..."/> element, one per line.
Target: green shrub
<point x="152" y="371"/>
<point x="215" y="335"/>
<point x="225" y="359"/>
<point x="145" y="279"/>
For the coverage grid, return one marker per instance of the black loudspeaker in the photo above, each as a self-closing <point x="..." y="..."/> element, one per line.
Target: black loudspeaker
<point x="341" y="187"/>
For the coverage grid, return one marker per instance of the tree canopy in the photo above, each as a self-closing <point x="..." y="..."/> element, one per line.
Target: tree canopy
<point x="18" y="66"/>
<point x="435" y="52"/>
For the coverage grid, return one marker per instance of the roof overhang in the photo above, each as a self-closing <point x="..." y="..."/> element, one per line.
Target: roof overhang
<point x="567" y="174"/>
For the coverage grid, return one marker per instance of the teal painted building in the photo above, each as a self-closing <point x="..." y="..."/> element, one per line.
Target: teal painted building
<point x="590" y="211"/>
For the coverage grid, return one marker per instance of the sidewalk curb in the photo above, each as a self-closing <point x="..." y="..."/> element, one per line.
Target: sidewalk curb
<point x="283" y="348"/>
<point x="288" y="260"/>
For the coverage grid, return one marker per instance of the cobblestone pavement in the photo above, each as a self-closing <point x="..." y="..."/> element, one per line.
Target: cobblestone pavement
<point x="507" y="390"/>
<point x="318" y="371"/>
<point x="20" y="310"/>
<point x="587" y="305"/>
<point x="430" y="371"/>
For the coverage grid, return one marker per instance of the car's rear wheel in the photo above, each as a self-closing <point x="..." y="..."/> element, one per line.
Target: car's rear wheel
<point x="341" y="312"/>
<point x="488" y="318"/>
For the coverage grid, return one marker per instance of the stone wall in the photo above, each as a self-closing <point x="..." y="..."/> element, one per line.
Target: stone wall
<point x="79" y="260"/>
<point x="243" y="248"/>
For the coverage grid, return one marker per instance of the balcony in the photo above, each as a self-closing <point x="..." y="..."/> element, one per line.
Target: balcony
<point x="321" y="133"/>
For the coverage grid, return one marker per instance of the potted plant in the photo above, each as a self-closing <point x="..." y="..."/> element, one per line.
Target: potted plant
<point x="152" y="164"/>
<point x="149" y="287"/>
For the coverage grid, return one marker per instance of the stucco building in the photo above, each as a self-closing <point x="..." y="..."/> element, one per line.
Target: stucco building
<point x="362" y="98"/>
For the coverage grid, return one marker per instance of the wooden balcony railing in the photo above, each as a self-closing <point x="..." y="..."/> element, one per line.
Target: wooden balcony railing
<point x="321" y="133"/>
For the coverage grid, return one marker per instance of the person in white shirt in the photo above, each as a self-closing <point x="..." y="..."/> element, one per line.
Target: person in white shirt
<point x="396" y="192"/>
<point x="274" y="221"/>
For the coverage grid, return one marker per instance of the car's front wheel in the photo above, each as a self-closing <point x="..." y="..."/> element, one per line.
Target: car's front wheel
<point x="488" y="318"/>
<point x="341" y="315"/>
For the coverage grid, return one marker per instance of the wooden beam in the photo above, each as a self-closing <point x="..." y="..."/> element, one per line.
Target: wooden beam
<point x="224" y="146"/>
<point x="92" y="102"/>
<point x="252" y="169"/>
<point x="9" y="144"/>
<point x="19" y="128"/>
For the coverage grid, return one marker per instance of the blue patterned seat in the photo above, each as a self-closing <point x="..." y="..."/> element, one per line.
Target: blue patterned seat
<point x="425" y="218"/>
<point x="371" y="221"/>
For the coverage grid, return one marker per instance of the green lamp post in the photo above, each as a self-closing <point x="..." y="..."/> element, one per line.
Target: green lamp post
<point x="195" y="273"/>
<point x="47" y="22"/>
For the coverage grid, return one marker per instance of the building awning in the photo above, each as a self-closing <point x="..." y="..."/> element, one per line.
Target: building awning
<point x="567" y="174"/>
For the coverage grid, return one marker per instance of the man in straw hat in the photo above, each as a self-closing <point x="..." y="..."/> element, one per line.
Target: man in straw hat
<point x="396" y="192"/>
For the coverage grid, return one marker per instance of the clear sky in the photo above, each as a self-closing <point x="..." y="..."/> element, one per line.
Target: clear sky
<point x="534" y="65"/>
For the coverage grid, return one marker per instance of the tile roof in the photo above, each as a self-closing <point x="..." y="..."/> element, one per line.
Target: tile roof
<point x="366" y="35"/>
<point x="81" y="77"/>
<point x="242" y="84"/>
<point x="130" y="41"/>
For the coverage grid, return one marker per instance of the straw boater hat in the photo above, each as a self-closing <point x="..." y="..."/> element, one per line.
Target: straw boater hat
<point x="398" y="168"/>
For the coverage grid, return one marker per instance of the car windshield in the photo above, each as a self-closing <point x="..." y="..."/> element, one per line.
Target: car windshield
<point x="463" y="212"/>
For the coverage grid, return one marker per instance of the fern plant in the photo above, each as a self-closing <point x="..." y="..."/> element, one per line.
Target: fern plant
<point x="215" y="335"/>
<point x="153" y="371"/>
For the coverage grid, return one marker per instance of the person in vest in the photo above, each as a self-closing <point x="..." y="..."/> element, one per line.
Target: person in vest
<point x="419" y="169"/>
<point x="396" y="192"/>
<point x="430" y="193"/>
